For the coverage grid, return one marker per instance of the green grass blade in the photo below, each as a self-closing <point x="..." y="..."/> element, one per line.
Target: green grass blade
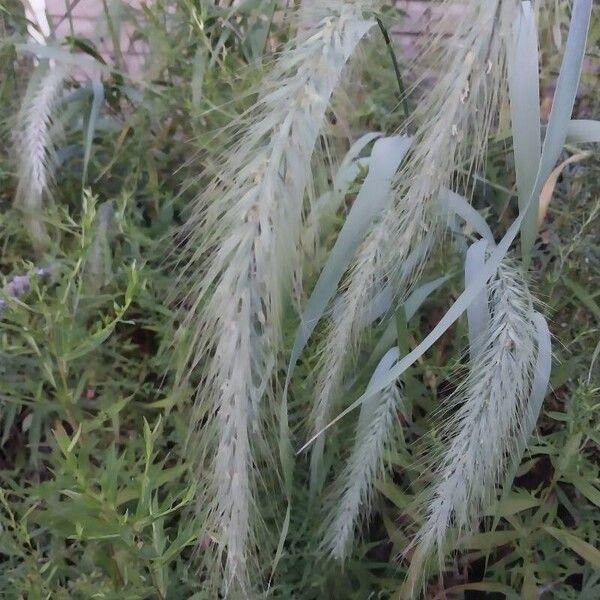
<point x="457" y="204"/>
<point x="566" y="89"/>
<point x="583" y="296"/>
<point x="411" y="306"/>
<point x="525" y="114"/>
<point x="579" y="546"/>
<point x="478" y="313"/>
<point x="349" y="169"/>
<point x="583" y="131"/>
<point x="372" y="199"/>
<point x="541" y="377"/>
<point x="97" y="101"/>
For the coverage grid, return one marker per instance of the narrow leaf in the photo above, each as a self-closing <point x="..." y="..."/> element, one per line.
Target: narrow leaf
<point x="525" y="115"/>
<point x="478" y="314"/>
<point x="541" y="377"/>
<point x="98" y="99"/>
<point x="458" y="204"/>
<point x="583" y="131"/>
<point x="372" y="199"/>
<point x="579" y="546"/>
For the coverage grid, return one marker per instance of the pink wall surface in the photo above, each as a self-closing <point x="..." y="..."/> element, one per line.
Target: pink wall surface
<point x="87" y="20"/>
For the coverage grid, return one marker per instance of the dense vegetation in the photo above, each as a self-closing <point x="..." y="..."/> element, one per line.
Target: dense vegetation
<point x="213" y="272"/>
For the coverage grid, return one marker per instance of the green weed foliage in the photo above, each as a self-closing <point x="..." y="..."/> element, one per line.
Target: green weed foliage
<point x="292" y="313"/>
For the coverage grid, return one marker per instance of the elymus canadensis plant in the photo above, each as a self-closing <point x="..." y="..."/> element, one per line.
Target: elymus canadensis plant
<point x="488" y="420"/>
<point x="243" y="250"/>
<point x="294" y="275"/>
<point x="36" y="133"/>
<point x="243" y="236"/>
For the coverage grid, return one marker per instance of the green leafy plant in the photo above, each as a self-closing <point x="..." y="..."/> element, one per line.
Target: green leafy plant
<point x="239" y="288"/>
